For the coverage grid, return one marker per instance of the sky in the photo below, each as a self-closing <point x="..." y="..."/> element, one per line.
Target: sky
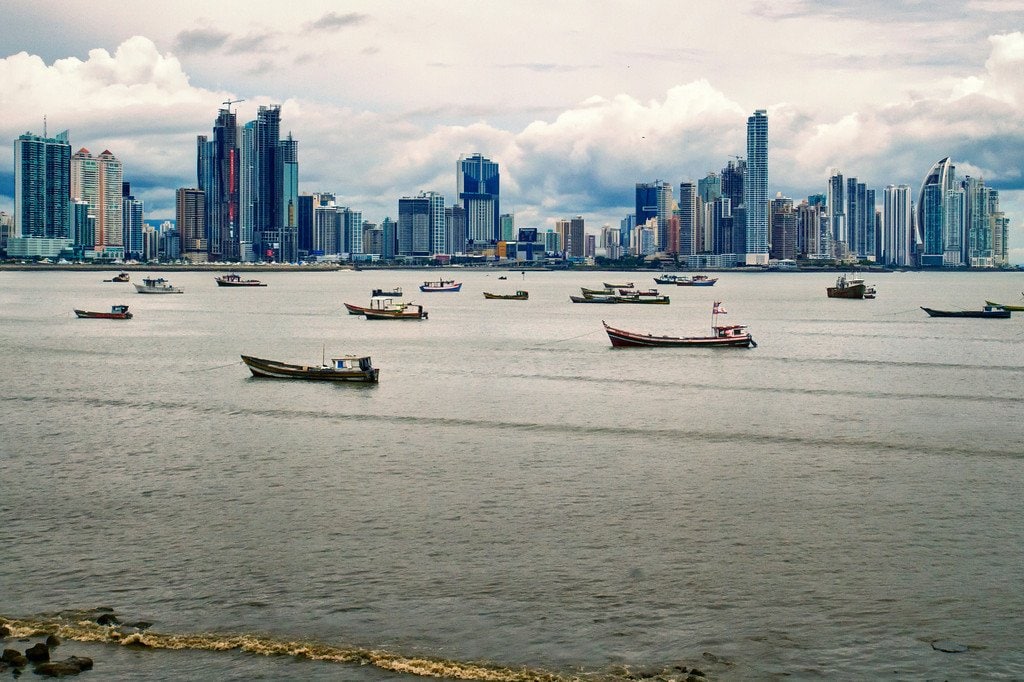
<point x="576" y="101"/>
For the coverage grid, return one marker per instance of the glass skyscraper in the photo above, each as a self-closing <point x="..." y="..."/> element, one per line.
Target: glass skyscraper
<point x="756" y="188"/>
<point x="479" y="193"/>
<point x="42" y="186"/>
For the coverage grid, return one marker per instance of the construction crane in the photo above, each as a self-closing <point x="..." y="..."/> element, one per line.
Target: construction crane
<point x="230" y="102"/>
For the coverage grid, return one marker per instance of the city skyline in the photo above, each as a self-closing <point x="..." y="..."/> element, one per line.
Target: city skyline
<point x="574" y="127"/>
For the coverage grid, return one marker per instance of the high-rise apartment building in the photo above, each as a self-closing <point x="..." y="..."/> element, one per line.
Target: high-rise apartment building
<point x="132" y="225"/>
<point x="42" y="186"/>
<point x="691" y="236"/>
<point x="654" y="200"/>
<point x="479" y="184"/>
<point x="421" y="225"/>
<point x="577" y="241"/>
<point x="783" y="229"/>
<point x="897" y="226"/>
<point x="190" y="217"/>
<point x="931" y="212"/>
<point x="756" y="188"/>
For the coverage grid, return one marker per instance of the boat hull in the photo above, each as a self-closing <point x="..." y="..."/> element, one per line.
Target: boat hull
<point x="621" y="338"/>
<point x="434" y="288"/>
<point x="854" y="291"/>
<point x="994" y="313"/>
<point x="243" y="283"/>
<point x="143" y="289"/>
<point x="272" y="369"/>
<point x="696" y="283"/>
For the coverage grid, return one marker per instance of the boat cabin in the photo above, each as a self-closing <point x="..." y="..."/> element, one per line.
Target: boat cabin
<point x="119" y="309"/>
<point x="731" y="331"/>
<point x="353" y="362"/>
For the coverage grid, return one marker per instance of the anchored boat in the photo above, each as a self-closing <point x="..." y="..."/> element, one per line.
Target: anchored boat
<point x="722" y="336"/>
<point x="351" y="368"/>
<point x="157" y="285"/>
<point x="987" y="311"/>
<point x="117" y="312"/>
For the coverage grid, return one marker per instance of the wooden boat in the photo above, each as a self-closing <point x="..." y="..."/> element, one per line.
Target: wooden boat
<point x="847" y="287"/>
<point x="441" y="285"/>
<point x="520" y="295"/>
<point x="667" y="279"/>
<point x="350" y="368"/>
<point x="233" y="280"/>
<point x="117" y="312"/>
<point x="696" y="281"/>
<point x="1014" y="308"/>
<point x="123" y="277"/>
<point x="157" y="285"/>
<point x="597" y="292"/>
<point x="378" y="304"/>
<point x="637" y="292"/>
<point x="616" y="298"/>
<point x="987" y="311"/>
<point x="395" y="292"/>
<point x="406" y="311"/>
<point x="627" y="285"/>
<point x="722" y="336"/>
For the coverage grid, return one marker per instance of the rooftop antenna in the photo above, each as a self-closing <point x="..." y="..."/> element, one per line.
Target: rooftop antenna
<point x="229" y="102"/>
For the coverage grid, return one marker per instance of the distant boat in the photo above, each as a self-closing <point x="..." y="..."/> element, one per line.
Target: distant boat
<point x="157" y="285"/>
<point x="441" y="285"/>
<point x="350" y="368"/>
<point x="870" y="292"/>
<point x="847" y="287"/>
<point x="117" y="312"/>
<point x="667" y="279"/>
<point x="1014" y="308"/>
<point x="722" y="336"/>
<point x="396" y="292"/>
<point x="696" y="281"/>
<point x="626" y="285"/>
<point x="987" y="311"/>
<point x="520" y="295"/>
<point x="637" y="292"/>
<point x="503" y="277"/>
<point x="607" y="291"/>
<point x="123" y="277"/>
<point x="616" y="298"/>
<point x="233" y="280"/>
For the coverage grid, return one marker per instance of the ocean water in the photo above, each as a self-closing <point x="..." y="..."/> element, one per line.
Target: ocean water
<point x="515" y="500"/>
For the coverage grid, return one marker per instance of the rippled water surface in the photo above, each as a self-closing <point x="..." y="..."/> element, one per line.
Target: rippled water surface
<point x="515" y="493"/>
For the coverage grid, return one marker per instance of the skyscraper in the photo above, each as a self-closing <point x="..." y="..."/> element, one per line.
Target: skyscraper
<point x="691" y="238"/>
<point x="897" y="224"/>
<point x="931" y="211"/>
<point x="654" y="200"/>
<point x="218" y="177"/>
<point x="756" y="188"/>
<point x="421" y="225"/>
<point x="190" y="216"/>
<point x="132" y="224"/>
<point x="577" y="242"/>
<point x="479" y="182"/>
<point x="42" y="184"/>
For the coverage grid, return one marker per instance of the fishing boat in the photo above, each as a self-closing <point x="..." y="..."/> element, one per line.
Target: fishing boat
<point x="667" y="279"/>
<point x="157" y="285"/>
<point x="722" y="336"/>
<point x="617" y="298"/>
<point x="117" y="312"/>
<point x="403" y="311"/>
<point x="441" y="285"/>
<point x="626" y="285"/>
<point x="870" y="292"/>
<point x="520" y="295"/>
<point x="987" y="311"/>
<point x="351" y="368"/>
<point x="696" y="281"/>
<point x="847" y="287"/>
<point x="1014" y="308"/>
<point x="233" y="280"/>
<point x="385" y="304"/>
<point x="395" y="292"/>
<point x="597" y="292"/>
<point x="594" y="298"/>
<point x="123" y="277"/>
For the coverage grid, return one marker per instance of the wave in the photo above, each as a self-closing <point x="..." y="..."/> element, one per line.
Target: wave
<point x="77" y="627"/>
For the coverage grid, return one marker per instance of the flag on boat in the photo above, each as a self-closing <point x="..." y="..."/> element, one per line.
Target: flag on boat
<point x="718" y="310"/>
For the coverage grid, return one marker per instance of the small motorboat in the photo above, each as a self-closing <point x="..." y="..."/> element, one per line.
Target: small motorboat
<point x="395" y="292"/>
<point x="696" y="281"/>
<point x="402" y="311"/>
<point x="117" y="312"/>
<point x="157" y="285"/>
<point x="722" y="336"/>
<point x="441" y="285"/>
<point x="123" y="277"/>
<point x="847" y="287"/>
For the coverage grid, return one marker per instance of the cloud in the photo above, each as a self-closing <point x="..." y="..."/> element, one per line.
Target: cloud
<point x="200" y="40"/>
<point x="332" y="21"/>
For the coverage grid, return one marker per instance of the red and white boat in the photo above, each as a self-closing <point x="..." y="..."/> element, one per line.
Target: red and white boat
<point x="117" y="312"/>
<point x="722" y="336"/>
